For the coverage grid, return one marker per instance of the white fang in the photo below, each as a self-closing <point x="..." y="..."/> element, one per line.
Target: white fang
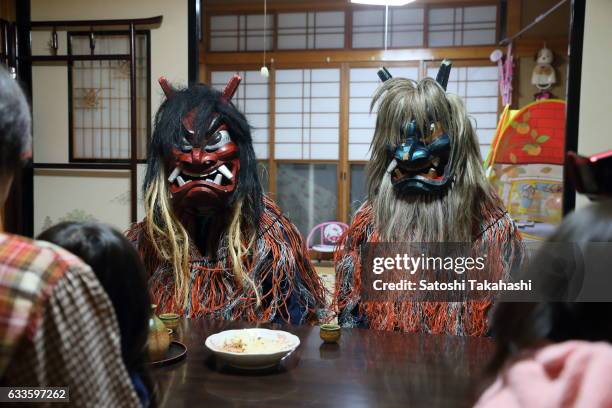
<point x="174" y="174"/>
<point x="225" y="171"/>
<point x="180" y="181"/>
<point x="218" y="178"/>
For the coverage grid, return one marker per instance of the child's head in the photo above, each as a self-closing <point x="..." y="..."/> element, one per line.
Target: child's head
<point x="519" y="326"/>
<point x="120" y="271"/>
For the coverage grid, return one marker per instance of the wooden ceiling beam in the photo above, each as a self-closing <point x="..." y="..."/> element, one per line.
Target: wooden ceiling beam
<point x="223" y="6"/>
<point x="522" y="48"/>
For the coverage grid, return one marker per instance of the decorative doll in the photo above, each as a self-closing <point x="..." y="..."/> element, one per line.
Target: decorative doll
<point x="543" y="76"/>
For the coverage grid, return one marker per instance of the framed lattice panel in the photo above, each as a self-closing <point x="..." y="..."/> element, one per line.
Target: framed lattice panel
<point x="476" y="83"/>
<point x="310" y="30"/>
<point x="251" y="99"/>
<point x="307" y="114"/>
<point x="99" y="96"/>
<point x="244" y="32"/>
<point x="363" y="83"/>
<point x="463" y="25"/>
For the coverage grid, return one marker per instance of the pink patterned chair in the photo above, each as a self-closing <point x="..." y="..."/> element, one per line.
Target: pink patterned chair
<point x="328" y="234"/>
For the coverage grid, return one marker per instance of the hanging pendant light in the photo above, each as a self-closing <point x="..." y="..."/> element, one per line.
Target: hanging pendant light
<point x="264" y="69"/>
<point x="383" y="2"/>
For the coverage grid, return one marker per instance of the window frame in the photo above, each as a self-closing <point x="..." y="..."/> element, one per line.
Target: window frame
<point x="71" y="151"/>
<point x="348" y="10"/>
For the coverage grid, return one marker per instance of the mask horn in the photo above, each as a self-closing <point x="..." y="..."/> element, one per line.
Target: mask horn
<point x="231" y="87"/>
<point x="166" y="87"/>
<point x="444" y="73"/>
<point x="384" y="74"/>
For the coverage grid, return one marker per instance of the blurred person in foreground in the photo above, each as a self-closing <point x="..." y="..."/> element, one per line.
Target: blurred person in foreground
<point x="57" y="324"/>
<point x="559" y="354"/>
<point x="119" y="269"/>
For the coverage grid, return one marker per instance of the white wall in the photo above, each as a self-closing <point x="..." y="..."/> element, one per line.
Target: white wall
<point x="93" y="194"/>
<point x="594" y="133"/>
<point x="168" y="42"/>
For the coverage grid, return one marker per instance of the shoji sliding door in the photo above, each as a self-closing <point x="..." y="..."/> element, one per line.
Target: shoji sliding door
<point x="478" y="87"/>
<point x="251" y="99"/>
<point x="307" y="144"/>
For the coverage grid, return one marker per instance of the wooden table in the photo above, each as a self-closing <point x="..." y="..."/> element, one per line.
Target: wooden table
<point x="367" y="369"/>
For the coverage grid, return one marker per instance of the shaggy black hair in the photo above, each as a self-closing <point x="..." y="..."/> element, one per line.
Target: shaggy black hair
<point x="119" y="269"/>
<point x="169" y="131"/>
<point x="15" y="131"/>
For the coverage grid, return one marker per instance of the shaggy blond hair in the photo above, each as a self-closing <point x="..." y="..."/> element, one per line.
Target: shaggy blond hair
<point x="172" y="243"/>
<point x="424" y="218"/>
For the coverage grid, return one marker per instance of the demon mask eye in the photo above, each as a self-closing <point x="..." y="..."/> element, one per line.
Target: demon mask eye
<point x="185" y="145"/>
<point x="219" y="139"/>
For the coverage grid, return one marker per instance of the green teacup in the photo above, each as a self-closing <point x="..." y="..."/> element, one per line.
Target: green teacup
<point x="171" y="320"/>
<point x="330" y="333"/>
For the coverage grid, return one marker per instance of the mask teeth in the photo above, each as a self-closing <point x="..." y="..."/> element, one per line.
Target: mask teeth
<point x="180" y="181"/>
<point x="392" y="166"/>
<point x="225" y="171"/>
<point x="175" y="173"/>
<point x="218" y="178"/>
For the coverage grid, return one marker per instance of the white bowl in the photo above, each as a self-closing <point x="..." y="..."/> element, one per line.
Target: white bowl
<point x="252" y="361"/>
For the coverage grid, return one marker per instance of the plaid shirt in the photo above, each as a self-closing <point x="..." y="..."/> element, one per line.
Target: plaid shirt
<point x="58" y="327"/>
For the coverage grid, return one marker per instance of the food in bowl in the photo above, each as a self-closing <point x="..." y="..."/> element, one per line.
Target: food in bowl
<point x="252" y="348"/>
<point x="248" y="342"/>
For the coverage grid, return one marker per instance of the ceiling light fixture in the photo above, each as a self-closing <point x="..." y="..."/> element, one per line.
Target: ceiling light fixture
<point x="383" y="2"/>
<point x="264" y="69"/>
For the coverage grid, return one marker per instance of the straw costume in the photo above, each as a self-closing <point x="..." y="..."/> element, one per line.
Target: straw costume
<point x="214" y="244"/>
<point x="425" y="184"/>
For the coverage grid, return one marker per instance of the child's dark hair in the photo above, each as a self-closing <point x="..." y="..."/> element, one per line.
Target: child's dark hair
<point x="119" y="269"/>
<point x="520" y="326"/>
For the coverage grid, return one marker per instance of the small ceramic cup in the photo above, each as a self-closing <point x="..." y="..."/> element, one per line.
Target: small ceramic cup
<point x="330" y="333"/>
<point x="171" y="320"/>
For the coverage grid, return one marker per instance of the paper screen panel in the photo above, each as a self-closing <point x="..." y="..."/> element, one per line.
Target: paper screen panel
<point x="405" y="28"/>
<point x="100" y="100"/>
<point x="311" y="30"/>
<point x="368" y="28"/>
<point x="241" y="32"/>
<point x="478" y="87"/>
<point x="363" y="84"/>
<point x="307" y="114"/>
<point x="252" y="100"/>
<point x="457" y="26"/>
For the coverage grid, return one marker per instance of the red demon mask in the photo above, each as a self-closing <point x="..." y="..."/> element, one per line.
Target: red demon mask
<point x="203" y="171"/>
